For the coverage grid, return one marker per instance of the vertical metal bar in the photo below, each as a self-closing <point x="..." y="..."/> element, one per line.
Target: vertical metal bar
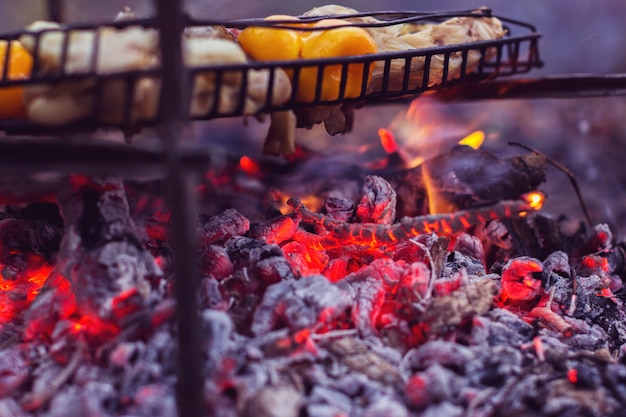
<point x="173" y="112"/>
<point x="55" y="10"/>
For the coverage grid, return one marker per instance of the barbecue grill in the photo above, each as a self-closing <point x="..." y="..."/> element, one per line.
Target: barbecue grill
<point x="517" y="53"/>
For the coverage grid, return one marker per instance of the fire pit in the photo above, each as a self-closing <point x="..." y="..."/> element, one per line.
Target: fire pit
<point x="157" y="278"/>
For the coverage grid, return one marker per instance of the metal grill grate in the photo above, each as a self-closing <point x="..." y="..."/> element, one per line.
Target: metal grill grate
<point x="515" y="53"/>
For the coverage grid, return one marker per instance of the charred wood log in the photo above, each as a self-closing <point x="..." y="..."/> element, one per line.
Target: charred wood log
<point x="466" y="177"/>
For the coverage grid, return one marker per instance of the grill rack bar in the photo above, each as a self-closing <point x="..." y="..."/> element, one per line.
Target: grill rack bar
<point x="516" y="53"/>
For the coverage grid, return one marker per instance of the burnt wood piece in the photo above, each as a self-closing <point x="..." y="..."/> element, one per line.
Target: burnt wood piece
<point x="466" y="177"/>
<point x="110" y="273"/>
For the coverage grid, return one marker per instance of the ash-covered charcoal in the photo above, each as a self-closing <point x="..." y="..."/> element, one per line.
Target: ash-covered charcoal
<point x="218" y="328"/>
<point x="435" y="385"/>
<point x="215" y="262"/>
<point x="110" y="273"/>
<point x="378" y="202"/>
<point x="359" y="357"/>
<point x="447" y="312"/>
<point x="263" y="264"/>
<point x="220" y="228"/>
<point x="10" y="408"/>
<point x="445" y="353"/>
<point x="339" y="208"/>
<point x="13" y="370"/>
<point x="300" y="304"/>
<point x="500" y="327"/>
<point x="22" y="239"/>
<point x="274" y="401"/>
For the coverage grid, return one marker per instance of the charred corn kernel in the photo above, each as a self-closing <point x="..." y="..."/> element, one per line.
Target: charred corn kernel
<point x="338" y="42"/>
<point x="266" y="44"/>
<point x="20" y="65"/>
<point x="270" y="44"/>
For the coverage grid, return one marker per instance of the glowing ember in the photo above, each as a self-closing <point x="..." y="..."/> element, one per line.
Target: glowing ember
<point x="534" y="199"/>
<point x="17" y="293"/>
<point x="249" y="166"/>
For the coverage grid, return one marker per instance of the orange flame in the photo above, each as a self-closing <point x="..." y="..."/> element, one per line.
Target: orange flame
<point x="535" y="199"/>
<point x="473" y="140"/>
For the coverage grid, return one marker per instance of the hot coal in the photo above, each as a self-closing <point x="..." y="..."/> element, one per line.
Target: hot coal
<point x="474" y="323"/>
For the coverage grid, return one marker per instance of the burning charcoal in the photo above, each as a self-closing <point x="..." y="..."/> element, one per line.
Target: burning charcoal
<point x="373" y="235"/>
<point x="10" y="408"/>
<point x="275" y="401"/>
<point x="13" y="370"/>
<point x="111" y="274"/>
<point x="521" y="279"/>
<point x="369" y="286"/>
<point x="220" y="228"/>
<point x="305" y="261"/>
<point x="357" y="356"/>
<point x="378" y="202"/>
<point x="413" y="287"/>
<point x="275" y="231"/>
<point x="451" y="310"/>
<point x="273" y="270"/>
<point x="600" y="240"/>
<point x="339" y="209"/>
<point x="216" y="262"/>
<point x="299" y="304"/>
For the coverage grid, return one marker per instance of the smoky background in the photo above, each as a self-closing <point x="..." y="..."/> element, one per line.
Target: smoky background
<point x="588" y="135"/>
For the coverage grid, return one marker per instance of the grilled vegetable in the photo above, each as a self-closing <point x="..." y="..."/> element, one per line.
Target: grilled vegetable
<point x="267" y="44"/>
<point x="331" y="43"/>
<point x="20" y="64"/>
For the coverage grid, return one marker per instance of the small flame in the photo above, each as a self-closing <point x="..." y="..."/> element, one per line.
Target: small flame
<point x="249" y="166"/>
<point x="535" y="199"/>
<point x="387" y="140"/>
<point x="473" y="140"/>
<point x="437" y="203"/>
